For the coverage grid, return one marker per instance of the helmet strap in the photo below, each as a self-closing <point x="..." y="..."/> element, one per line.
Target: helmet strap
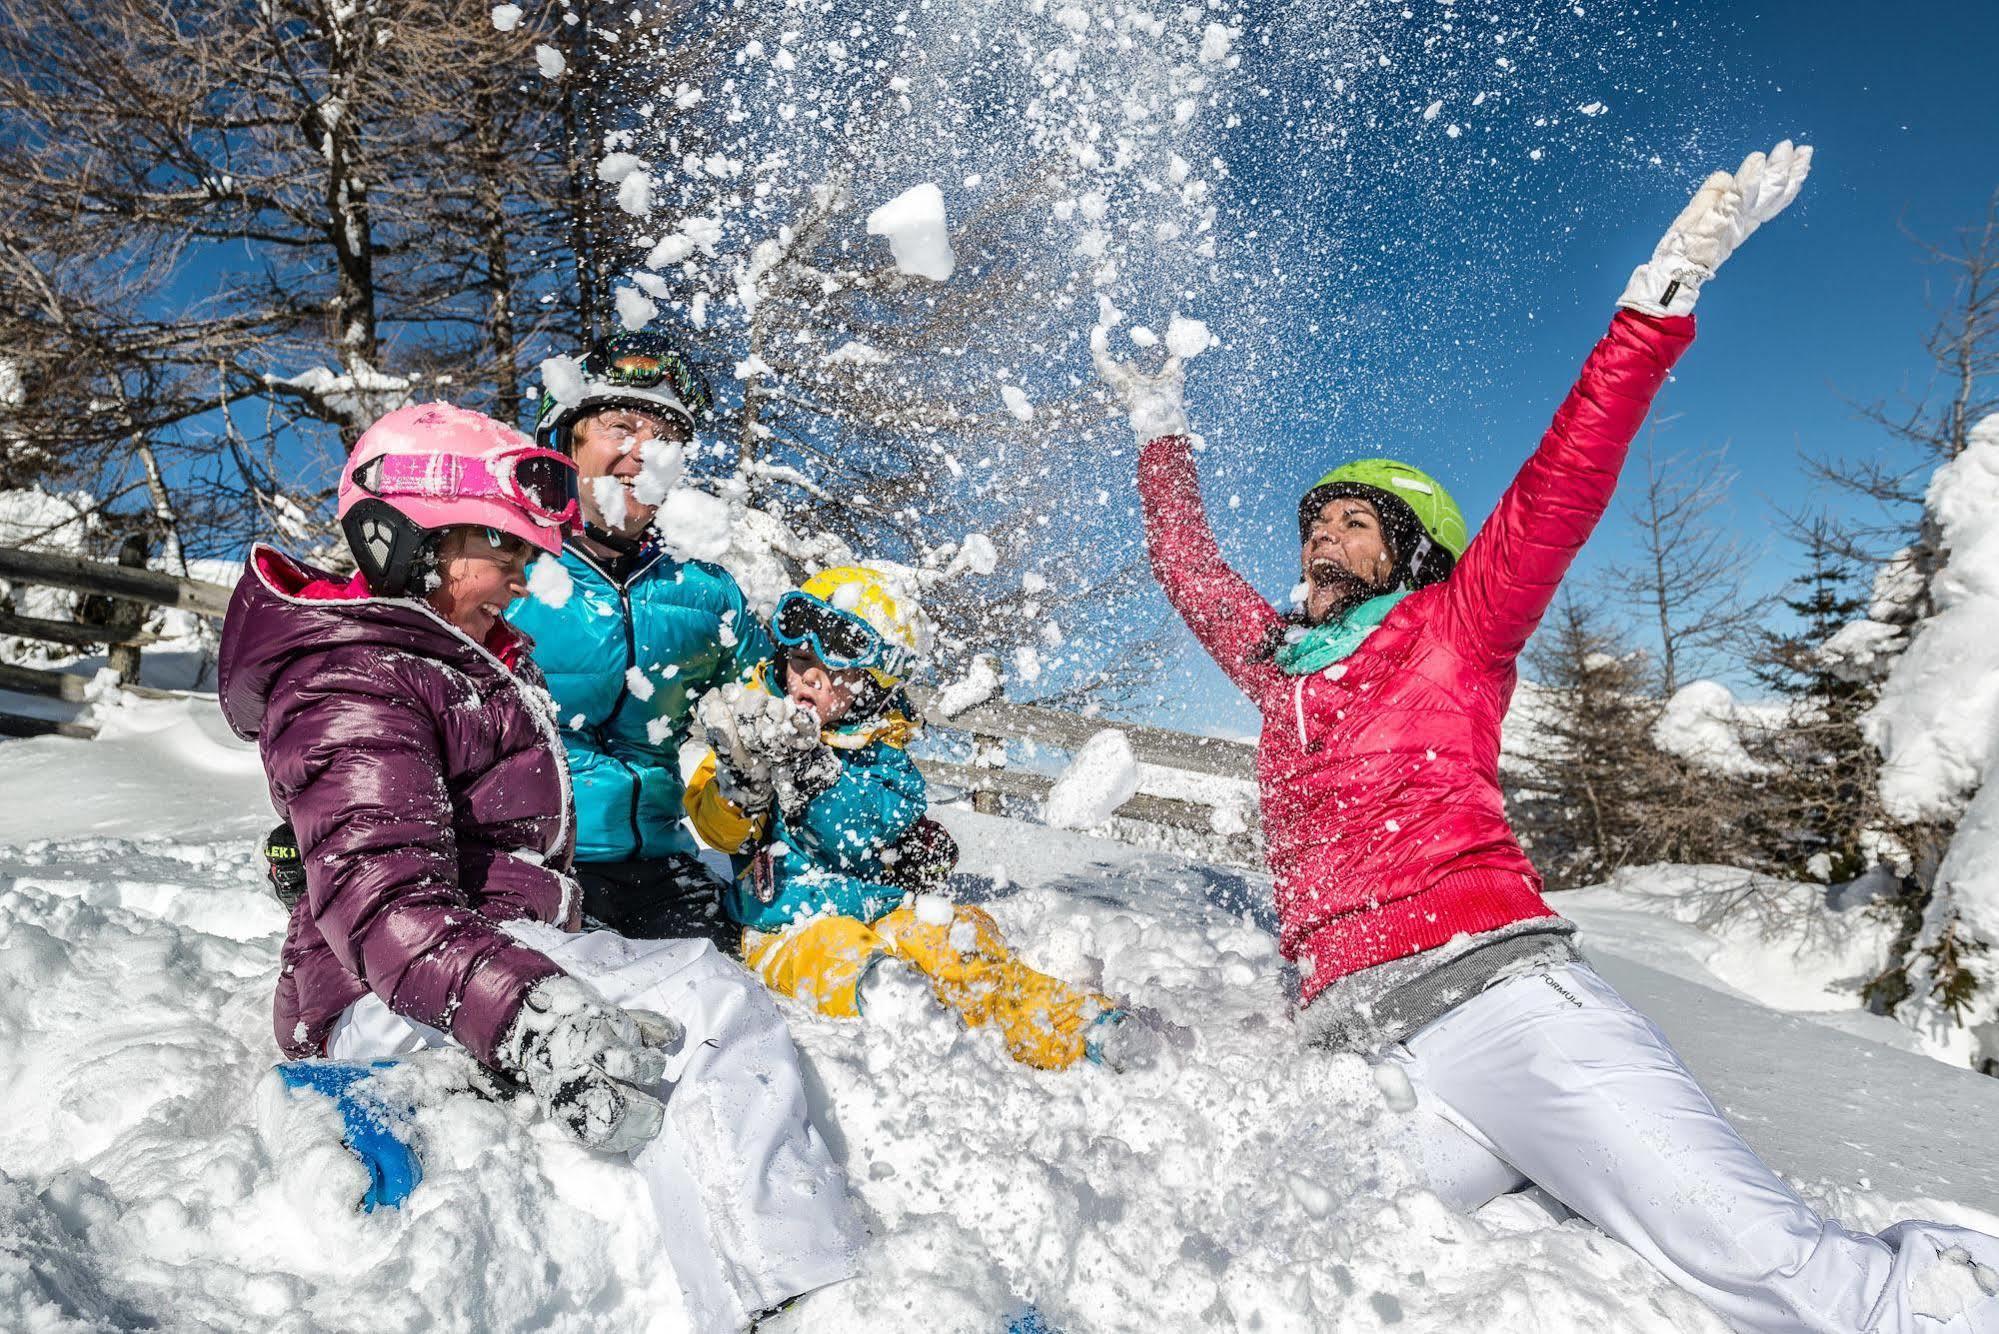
<point x="1423" y="545"/>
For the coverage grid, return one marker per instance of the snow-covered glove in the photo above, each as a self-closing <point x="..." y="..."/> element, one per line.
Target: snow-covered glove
<point x="1152" y="403"/>
<point x="773" y="744"/>
<point x="1726" y="209"/>
<point x="742" y="778"/>
<point x="773" y="729"/>
<point x="803" y="775"/>
<point x="586" y="1063"/>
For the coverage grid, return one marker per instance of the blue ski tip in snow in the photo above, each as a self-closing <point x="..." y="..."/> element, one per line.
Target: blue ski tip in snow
<point x="1029" y="1321"/>
<point x="393" y="1169"/>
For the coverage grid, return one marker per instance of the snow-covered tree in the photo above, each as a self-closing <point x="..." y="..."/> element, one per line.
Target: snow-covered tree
<point x="1824" y="819"/>
<point x="1592" y="787"/>
<point x="1937" y="725"/>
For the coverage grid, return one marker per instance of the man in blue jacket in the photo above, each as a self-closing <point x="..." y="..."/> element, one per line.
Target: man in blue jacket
<point x="639" y="636"/>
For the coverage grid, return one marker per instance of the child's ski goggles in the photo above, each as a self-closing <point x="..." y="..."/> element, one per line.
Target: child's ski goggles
<point x="840" y="639"/>
<point x="539" y="482"/>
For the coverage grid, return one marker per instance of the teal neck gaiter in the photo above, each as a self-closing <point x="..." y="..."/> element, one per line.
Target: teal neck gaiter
<point x="1305" y="651"/>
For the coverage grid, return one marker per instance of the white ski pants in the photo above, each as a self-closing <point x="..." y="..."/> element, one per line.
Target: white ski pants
<point x="1550" y="1078"/>
<point x="752" y="1209"/>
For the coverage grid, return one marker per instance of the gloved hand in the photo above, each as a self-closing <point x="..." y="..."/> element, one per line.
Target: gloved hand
<point x="586" y="1061"/>
<point x="772" y="747"/>
<point x="804" y="774"/>
<point x="741" y="777"/>
<point x="1723" y="213"/>
<point x="1152" y="402"/>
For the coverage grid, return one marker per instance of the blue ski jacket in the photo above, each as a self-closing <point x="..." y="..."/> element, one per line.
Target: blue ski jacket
<point x="625" y="663"/>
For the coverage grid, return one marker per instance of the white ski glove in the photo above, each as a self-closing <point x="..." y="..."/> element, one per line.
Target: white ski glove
<point x="1152" y="403"/>
<point x="1725" y="210"/>
<point x="587" y="1063"/>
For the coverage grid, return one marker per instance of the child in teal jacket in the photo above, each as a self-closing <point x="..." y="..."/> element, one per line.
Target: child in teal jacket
<point x="812" y="786"/>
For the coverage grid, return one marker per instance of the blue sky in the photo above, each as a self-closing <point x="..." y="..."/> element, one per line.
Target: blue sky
<point x="1824" y="310"/>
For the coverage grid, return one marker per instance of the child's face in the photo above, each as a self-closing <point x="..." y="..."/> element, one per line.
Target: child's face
<point x="479" y="579"/>
<point x="829" y="692"/>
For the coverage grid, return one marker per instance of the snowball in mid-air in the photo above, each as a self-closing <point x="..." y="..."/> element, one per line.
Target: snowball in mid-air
<point x="635" y="194"/>
<point x="562" y="377"/>
<point x="1016" y="402"/>
<point x="662" y="463"/>
<point x="549" y="582"/>
<point x="918" y="235"/>
<point x="635" y="309"/>
<point x="979" y="683"/>
<point x="614" y="167"/>
<point x="506" y="17"/>
<point x="611" y="497"/>
<point x="694" y="525"/>
<point x="1187" y="338"/>
<point x="1101" y="777"/>
<point x="550" y="60"/>
<point x="1216" y="39"/>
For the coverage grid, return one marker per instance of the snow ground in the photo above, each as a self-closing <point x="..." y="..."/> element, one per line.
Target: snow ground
<point x="151" y="1172"/>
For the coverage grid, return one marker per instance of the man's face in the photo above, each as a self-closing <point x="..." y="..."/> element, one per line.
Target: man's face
<point x="609" y="443"/>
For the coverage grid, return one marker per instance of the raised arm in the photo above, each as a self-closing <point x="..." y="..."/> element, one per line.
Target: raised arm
<point x="1507" y="578"/>
<point x="1505" y="581"/>
<point x="1231" y="619"/>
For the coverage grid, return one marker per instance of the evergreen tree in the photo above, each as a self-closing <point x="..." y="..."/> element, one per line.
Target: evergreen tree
<point x="1823" y="817"/>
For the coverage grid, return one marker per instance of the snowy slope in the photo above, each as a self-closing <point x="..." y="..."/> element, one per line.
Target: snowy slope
<point x="151" y="1172"/>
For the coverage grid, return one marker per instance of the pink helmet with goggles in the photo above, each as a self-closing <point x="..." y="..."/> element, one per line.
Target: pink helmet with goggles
<point x="431" y="466"/>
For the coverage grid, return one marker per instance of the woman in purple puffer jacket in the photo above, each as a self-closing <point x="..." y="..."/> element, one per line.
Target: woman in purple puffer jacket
<point x="409" y="742"/>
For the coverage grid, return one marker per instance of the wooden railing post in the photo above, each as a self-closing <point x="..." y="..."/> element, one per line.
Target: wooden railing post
<point x="123" y="656"/>
<point x="988" y="752"/>
<point x="117" y="620"/>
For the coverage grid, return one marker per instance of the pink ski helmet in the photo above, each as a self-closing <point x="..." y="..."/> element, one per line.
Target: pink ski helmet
<point x="431" y="466"/>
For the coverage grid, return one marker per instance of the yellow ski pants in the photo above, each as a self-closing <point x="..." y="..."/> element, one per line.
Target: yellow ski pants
<point x="967" y="961"/>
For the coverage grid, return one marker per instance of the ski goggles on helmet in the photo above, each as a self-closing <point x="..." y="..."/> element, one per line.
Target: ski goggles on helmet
<point x="540" y="483"/>
<point x="840" y="639"/>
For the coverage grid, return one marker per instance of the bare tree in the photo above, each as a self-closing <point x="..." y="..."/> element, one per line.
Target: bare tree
<point x="1933" y="425"/>
<point x="1687" y="579"/>
<point x="230" y="233"/>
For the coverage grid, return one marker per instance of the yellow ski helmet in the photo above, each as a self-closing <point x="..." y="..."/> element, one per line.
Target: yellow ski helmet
<point x="852" y="616"/>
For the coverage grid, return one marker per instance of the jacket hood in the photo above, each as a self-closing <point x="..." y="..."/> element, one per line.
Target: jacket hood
<point x="283" y="609"/>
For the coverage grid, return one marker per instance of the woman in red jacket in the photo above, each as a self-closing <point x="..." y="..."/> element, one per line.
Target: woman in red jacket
<point x="1416" y="922"/>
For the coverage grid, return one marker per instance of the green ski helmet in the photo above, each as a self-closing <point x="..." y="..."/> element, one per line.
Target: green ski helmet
<point x="1425" y="528"/>
<point x="641" y="370"/>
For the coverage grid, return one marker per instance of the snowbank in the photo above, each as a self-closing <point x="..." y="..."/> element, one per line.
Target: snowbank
<point x="1784" y="944"/>
<point x="152" y="1171"/>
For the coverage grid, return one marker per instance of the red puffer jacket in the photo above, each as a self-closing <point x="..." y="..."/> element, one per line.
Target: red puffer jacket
<point x="1382" y="816"/>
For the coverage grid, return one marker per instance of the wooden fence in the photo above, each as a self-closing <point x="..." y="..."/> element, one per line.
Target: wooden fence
<point x="118" y="596"/>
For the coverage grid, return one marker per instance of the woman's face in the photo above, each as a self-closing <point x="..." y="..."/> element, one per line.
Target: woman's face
<point x="609" y="443"/>
<point x="811" y="684"/>
<point x="479" y="578"/>
<point x="1344" y="552"/>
